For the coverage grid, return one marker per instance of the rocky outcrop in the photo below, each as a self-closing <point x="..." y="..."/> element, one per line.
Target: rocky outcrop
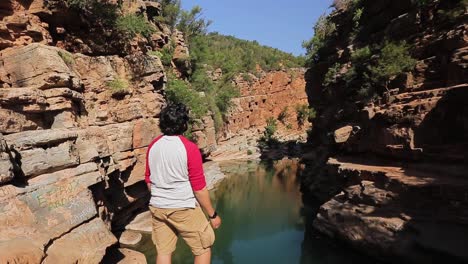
<point x="390" y="174"/>
<point x="273" y="95"/>
<point x="74" y="130"/>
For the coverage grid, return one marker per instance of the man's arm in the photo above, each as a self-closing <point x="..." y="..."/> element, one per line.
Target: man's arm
<point x="203" y="198"/>
<point x="198" y="181"/>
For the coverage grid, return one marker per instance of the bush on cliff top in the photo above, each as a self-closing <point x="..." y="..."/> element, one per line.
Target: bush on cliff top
<point x="132" y="25"/>
<point x="170" y="12"/>
<point x="324" y="30"/>
<point x="192" y="23"/>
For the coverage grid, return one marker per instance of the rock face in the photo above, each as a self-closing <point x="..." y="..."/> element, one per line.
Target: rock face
<point x="390" y="175"/>
<point x="273" y="95"/>
<point x="74" y="130"/>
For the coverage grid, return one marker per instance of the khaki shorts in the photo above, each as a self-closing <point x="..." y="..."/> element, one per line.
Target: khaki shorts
<point x="190" y="223"/>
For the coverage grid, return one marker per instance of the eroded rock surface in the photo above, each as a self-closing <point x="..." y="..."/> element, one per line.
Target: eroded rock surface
<point x="74" y="130"/>
<point x="389" y="175"/>
<point x="269" y="96"/>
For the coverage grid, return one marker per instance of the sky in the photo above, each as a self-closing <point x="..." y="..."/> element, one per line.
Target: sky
<point x="282" y="24"/>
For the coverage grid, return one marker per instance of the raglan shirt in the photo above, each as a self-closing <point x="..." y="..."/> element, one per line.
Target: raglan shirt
<point x="174" y="168"/>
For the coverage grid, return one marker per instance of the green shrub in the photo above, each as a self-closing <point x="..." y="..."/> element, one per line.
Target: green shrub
<point x="165" y="54"/>
<point x="224" y="97"/>
<point x="178" y="91"/>
<point x="283" y="115"/>
<point x="324" y="30"/>
<point x="304" y="113"/>
<point x="131" y="25"/>
<point x="270" y="128"/>
<point x="66" y="57"/>
<point x="422" y="3"/>
<point x="289" y="126"/>
<point x="118" y="85"/>
<point x="247" y="77"/>
<point x="170" y="12"/>
<point x="331" y="77"/>
<point x="393" y="60"/>
<point x="344" y="4"/>
<point x="100" y="14"/>
<point x="370" y="75"/>
<point x="81" y="4"/>
<point x="249" y="152"/>
<point x="455" y="12"/>
<point x="192" y="24"/>
<point x="156" y="53"/>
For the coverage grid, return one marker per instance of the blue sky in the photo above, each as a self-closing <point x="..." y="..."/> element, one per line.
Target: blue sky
<point x="276" y="23"/>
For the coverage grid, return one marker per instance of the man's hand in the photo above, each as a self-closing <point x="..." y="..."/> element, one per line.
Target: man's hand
<point x="216" y="222"/>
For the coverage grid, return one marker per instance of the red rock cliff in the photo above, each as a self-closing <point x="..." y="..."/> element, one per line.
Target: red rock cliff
<point x="262" y="98"/>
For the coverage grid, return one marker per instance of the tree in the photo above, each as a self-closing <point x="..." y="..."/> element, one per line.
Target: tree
<point x="192" y="24"/>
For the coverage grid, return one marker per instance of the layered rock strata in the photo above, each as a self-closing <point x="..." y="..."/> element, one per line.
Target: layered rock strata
<point x="74" y="130"/>
<point x="391" y="174"/>
<point x="274" y="95"/>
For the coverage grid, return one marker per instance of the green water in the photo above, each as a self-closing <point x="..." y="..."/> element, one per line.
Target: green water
<point x="260" y="205"/>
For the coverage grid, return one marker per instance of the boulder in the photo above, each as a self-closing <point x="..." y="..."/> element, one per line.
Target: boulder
<point x="84" y="244"/>
<point x="49" y="207"/>
<point x="141" y="223"/>
<point x="130" y="238"/>
<point x="20" y="251"/>
<point x="22" y="68"/>
<point x="342" y="135"/>
<point x="131" y="257"/>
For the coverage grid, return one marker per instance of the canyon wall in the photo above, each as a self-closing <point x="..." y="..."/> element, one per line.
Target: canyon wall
<point x="74" y="131"/>
<point x="389" y="175"/>
<point x="273" y="95"/>
<point x="79" y="105"/>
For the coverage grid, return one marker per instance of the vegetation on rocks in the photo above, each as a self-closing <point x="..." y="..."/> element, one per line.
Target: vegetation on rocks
<point x="283" y="115"/>
<point x="66" y="57"/>
<point x="372" y="69"/>
<point x="118" y="85"/>
<point x="211" y="51"/>
<point x="131" y="25"/>
<point x="179" y="91"/>
<point x="304" y="113"/>
<point x="324" y="30"/>
<point x="170" y="12"/>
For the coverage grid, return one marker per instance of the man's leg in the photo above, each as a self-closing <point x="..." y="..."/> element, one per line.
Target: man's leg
<point x="164" y="236"/>
<point x="164" y="259"/>
<point x="205" y="258"/>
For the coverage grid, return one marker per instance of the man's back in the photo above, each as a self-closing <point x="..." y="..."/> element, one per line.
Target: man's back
<point x="170" y="164"/>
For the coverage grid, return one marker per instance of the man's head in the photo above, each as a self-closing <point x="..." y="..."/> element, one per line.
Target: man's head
<point x="173" y="119"/>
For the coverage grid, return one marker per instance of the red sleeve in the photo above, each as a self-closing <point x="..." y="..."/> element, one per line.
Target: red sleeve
<point x="195" y="165"/>
<point x="147" y="170"/>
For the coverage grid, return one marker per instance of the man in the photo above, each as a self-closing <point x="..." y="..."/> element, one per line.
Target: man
<point x="175" y="177"/>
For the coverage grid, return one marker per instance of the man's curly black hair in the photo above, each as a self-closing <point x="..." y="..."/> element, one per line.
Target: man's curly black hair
<point x="173" y="119"/>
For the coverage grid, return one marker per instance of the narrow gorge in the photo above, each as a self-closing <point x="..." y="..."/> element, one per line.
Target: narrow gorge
<point x="356" y="152"/>
<point x="79" y="105"/>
